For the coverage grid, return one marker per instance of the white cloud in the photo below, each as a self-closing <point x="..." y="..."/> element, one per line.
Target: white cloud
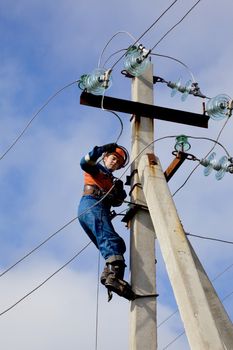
<point x="62" y="313"/>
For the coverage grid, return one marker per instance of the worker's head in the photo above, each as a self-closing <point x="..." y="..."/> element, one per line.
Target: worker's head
<point x="117" y="159"/>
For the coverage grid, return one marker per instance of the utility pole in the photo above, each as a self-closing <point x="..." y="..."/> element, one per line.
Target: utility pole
<point x="206" y="322"/>
<point x="143" y="329"/>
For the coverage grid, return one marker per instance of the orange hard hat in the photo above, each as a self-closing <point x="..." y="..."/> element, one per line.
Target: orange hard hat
<point x="122" y="154"/>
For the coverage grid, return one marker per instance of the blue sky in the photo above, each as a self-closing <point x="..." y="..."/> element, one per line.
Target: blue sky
<point x="45" y="45"/>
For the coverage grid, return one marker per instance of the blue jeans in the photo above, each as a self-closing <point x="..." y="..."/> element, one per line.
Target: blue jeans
<point x="97" y="224"/>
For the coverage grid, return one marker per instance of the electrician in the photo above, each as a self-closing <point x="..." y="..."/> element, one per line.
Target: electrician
<point x="95" y="214"/>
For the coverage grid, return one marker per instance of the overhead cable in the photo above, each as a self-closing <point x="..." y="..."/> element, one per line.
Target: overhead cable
<point x="46" y="280"/>
<point x="179" y="335"/>
<point x="147" y="30"/>
<point x="213" y="280"/>
<point x="114" y="113"/>
<point x="38" y="246"/>
<point x="34" y="116"/>
<point x="209" y="238"/>
<point x="173" y="27"/>
<point x="216" y="142"/>
<point x="55" y="233"/>
<point x="178" y="61"/>
<point x="119" y="32"/>
<point x="97" y="303"/>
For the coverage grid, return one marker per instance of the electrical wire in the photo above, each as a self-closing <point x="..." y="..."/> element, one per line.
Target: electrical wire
<point x="184" y="183"/>
<point x="38" y="246"/>
<point x="218" y="137"/>
<point x="209" y="238"/>
<point x="75" y="218"/>
<point x="55" y="233"/>
<point x="34" y="116"/>
<point x="179" y="335"/>
<point x="175" y="25"/>
<point x="174" y="340"/>
<point x="143" y="150"/>
<point x="46" y="280"/>
<point x="221" y="273"/>
<point x="178" y="61"/>
<point x="114" y="113"/>
<point x="154" y="141"/>
<point x="167" y="318"/>
<point x="113" y="54"/>
<point x="213" y="280"/>
<point x="97" y="303"/>
<point x="119" y="32"/>
<point x="216" y="142"/>
<point x="147" y="30"/>
<point x="25" y="296"/>
<point x="68" y="262"/>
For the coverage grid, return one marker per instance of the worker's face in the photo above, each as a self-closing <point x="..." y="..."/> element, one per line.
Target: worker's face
<point x="112" y="162"/>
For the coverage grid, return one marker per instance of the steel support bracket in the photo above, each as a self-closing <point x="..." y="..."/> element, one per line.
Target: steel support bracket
<point x="144" y="110"/>
<point x="175" y="164"/>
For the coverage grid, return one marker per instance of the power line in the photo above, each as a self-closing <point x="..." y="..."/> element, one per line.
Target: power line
<point x="46" y="280"/>
<point x="113" y="54"/>
<point x="97" y="303"/>
<point x="179" y="335"/>
<point x="184" y="183"/>
<point x="116" y="115"/>
<point x="221" y="273"/>
<point x="68" y="262"/>
<point x="214" y="279"/>
<point x="117" y="33"/>
<point x="190" y="10"/>
<point x="178" y="61"/>
<point x="209" y="238"/>
<point x="75" y="218"/>
<point x="216" y="142"/>
<point x="218" y="137"/>
<point x="52" y="235"/>
<point x="24" y="257"/>
<point x="34" y="116"/>
<point x="38" y="246"/>
<point x="174" y="340"/>
<point x="147" y="30"/>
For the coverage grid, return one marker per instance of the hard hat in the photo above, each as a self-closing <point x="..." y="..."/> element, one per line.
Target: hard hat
<point x="122" y="153"/>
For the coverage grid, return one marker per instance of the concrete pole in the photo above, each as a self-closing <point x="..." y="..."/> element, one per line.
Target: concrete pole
<point x="203" y="315"/>
<point x="142" y="242"/>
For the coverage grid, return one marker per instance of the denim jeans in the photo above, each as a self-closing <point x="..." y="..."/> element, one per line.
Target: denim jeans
<point x="97" y="224"/>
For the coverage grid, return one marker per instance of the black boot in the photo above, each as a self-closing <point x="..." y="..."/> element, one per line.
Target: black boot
<point x="104" y="274"/>
<point x="114" y="281"/>
<point x="116" y="269"/>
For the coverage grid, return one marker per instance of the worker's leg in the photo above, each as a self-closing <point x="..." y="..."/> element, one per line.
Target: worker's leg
<point x="95" y="220"/>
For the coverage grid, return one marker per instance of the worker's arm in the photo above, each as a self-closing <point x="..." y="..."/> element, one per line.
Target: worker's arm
<point x="89" y="162"/>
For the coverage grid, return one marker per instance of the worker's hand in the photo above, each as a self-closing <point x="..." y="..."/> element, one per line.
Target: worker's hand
<point x="109" y="147"/>
<point x="119" y="186"/>
<point x="117" y="194"/>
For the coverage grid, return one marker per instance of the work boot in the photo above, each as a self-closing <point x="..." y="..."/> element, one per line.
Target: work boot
<point x="120" y="287"/>
<point x="116" y="269"/>
<point x="104" y="274"/>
